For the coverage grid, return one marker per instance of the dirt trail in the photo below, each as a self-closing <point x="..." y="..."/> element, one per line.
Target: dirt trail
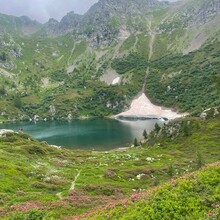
<point x="74" y="182"/>
<point x="136" y="41"/>
<point x="74" y="46"/>
<point x="152" y="40"/>
<point x="59" y="59"/>
<point x="72" y="187"/>
<point x="151" y="46"/>
<point x="59" y="195"/>
<point x="145" y="80"/>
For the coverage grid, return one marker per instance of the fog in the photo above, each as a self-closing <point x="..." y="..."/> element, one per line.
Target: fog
<point x="42" y="10"/>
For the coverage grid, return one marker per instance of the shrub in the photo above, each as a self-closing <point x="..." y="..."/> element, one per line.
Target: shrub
<point x="35" y="150"/>
<point x="32" y="215"/>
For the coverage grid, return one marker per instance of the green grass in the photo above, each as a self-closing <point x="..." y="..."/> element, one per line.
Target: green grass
<point x="143" y="45"/>
<point x="128" y="43"/>
<point x="41" y="176"/>
<point x="193" y="196"/>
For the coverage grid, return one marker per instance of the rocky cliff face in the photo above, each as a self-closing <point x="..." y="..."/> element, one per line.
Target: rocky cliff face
<point x="102" y="23"/>
<point x="189" y="14"/>
<point x="204" y="13"/>
<point x="69" y="23"/>
<point x="50" y="28"/>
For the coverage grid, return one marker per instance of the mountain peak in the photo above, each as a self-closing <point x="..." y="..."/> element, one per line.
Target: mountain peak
<point x="27" y="21"/>
<point x="52" y="21"/>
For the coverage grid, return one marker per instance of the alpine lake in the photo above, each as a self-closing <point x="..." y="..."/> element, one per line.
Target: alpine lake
<point x="89" y="134"/>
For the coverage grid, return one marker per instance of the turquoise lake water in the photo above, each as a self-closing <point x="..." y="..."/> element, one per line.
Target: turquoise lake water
<point x="98" y="134"/>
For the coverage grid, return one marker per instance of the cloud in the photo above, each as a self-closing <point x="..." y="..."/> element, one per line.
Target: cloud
<point x="42" y="10"/>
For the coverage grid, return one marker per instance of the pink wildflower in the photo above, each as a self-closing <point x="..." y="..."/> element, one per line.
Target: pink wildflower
<point x="135" y="197"/>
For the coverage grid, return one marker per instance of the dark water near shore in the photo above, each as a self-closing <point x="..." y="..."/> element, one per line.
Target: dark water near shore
<point x="98" y="134"/>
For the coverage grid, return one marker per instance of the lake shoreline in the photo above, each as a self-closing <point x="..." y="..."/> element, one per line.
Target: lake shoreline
<point x="113" y="117"/>
<point x="103" y="133"/>
<point x="141" y="108"/>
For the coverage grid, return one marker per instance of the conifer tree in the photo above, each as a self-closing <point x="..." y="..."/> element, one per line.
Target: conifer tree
<point x="135" y="142"/>
<point x="157" y="128"/>
<point x="145" y="134"/>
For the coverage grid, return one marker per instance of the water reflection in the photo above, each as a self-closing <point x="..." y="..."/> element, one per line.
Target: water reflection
<point x="99" y="134"/>
<point x="137" y="127"/>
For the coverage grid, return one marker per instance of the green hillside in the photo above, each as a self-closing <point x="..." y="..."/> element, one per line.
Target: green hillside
<point x="53" y="183"/>
<point x="193" y="196"/>
<point x="172" y="48"/>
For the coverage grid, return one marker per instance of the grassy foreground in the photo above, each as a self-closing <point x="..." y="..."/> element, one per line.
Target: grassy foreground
<point x="193" y="196"/>
<point x="38" y="181"/>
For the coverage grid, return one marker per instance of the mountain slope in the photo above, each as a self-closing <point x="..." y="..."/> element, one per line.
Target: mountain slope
<point x="95" y="64"/>
<point x="18" y="25"/>
<point x="198" y="21"/>
<point x="194" y="196"/>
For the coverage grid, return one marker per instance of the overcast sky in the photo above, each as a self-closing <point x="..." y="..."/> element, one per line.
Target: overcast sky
<point x="42" y="10"/>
